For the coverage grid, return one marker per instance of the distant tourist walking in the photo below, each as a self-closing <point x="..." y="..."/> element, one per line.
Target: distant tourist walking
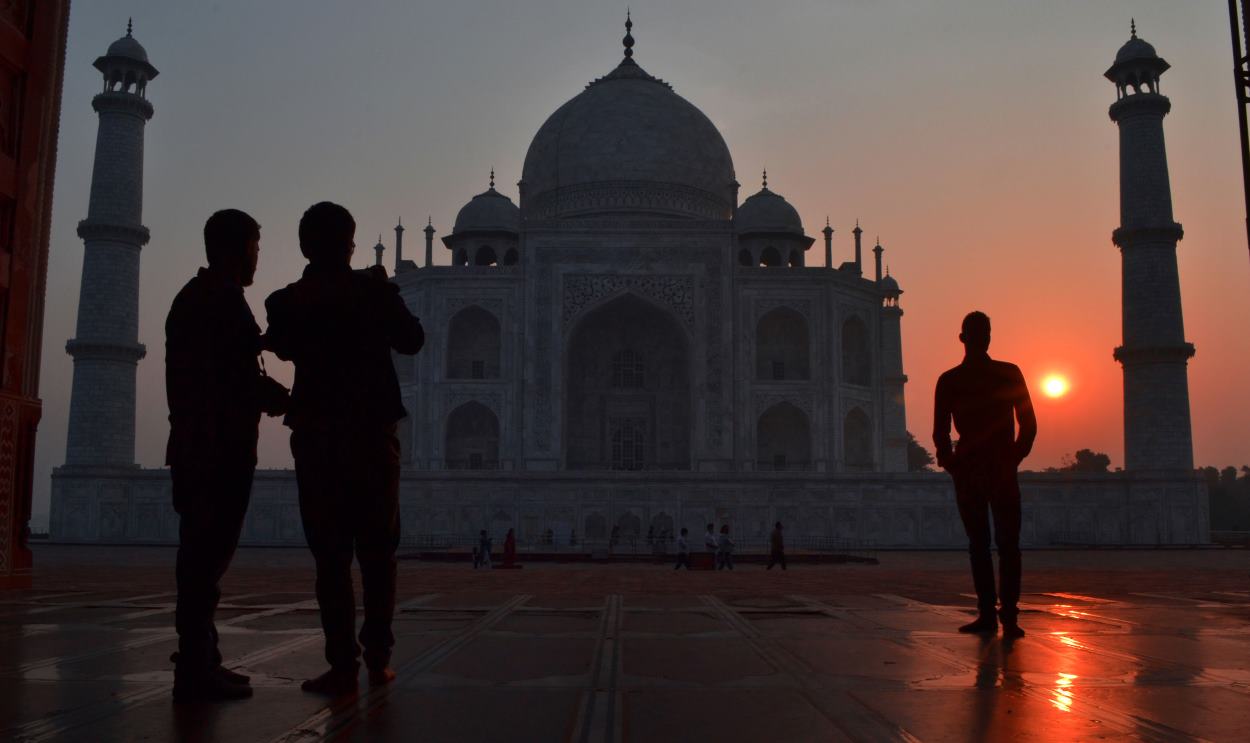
<point x="216" y="393"/>
<point x="683" y="550"/>
<point x="776" y="548"/>
<point x="340" y="327"/>
<point x="482" y="554"/>
<point x="724" y="550"/>
<point x="985" y="399"/>
<point x="709" y="539"/>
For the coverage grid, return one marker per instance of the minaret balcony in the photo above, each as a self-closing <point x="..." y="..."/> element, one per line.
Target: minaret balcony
<point x="1130" y="235"/>
<point x="136" y="234"/>
<point x="1133" y="355"/>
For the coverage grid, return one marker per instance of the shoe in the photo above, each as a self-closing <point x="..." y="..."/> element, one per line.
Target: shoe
<point x="231" y="677"/>
<point x="332" y="683"/>
<point x="208" y="688"/>
<point x="984" y="625"/>
<point x="381" y="676"/>
<point x="1012" y="631"/>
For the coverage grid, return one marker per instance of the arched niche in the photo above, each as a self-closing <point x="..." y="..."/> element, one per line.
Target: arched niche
<point x="473" y="344"/>
<point x="782" y="346"/>
<point x="770" y="257"/>
<point x="485" y="256"/>
<point x="857" y="441"/>
<point x="856" y="356"/>
<point x="472" y="438"/>
<point x="627" y="389"/>
<point x="783" y="439"/>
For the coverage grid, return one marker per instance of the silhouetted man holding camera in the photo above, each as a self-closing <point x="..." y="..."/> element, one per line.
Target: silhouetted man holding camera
<point x="985" y="398"/>
<point x="216" y="392"/>
<point x="339" y="327"/>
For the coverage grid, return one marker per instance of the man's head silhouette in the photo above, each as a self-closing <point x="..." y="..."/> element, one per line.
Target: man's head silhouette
<point x="327" y="234"/>
<point x="232" y="244"/>
<point x="975" y="332"/>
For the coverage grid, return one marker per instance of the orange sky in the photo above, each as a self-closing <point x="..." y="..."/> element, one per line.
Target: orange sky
<point x="971" y="134"/>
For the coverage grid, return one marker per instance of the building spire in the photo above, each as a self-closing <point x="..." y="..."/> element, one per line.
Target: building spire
<point x="628" y="41"/>
<point x="492" y="179"/>
<point x="130" y="25"/>
<point x="1132" y="24"/>
<point x="765" y="179"/>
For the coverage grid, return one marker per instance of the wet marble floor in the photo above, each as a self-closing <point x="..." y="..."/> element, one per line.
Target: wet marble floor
<point x="563" y="657"/>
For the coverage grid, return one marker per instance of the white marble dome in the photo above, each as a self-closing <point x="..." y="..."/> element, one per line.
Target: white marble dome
<point x="628" y="144"/>
<point x="767" y="212"/>
<point x="489" y="211"/>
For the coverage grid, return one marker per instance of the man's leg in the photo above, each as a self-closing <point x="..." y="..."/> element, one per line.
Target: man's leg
<point x="781" y="557"/>
<point x="211" y="516"/>
<point x="974" y="512"/>
<point x="1006" y="509"/>
<point x="377" y="539"/>
<point x="328" y="530"/>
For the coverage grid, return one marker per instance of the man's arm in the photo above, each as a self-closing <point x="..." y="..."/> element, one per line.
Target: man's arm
<point x="403" y="330"/>
<point x="278" y="336"/>
<point x="942" y="423"/>
<point x="1027" y="420"/>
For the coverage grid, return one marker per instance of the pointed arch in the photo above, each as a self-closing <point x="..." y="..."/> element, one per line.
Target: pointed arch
<point x="473" y="344"/>
<point x="783" y="439"/>
<point x="857" y="441"/>
<point x="472" y="440"/>
<point x="782" y="346"/>
<point x="856" y="356"/>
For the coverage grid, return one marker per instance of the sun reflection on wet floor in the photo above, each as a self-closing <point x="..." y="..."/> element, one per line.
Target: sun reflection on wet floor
<point x="1063" y="695"/>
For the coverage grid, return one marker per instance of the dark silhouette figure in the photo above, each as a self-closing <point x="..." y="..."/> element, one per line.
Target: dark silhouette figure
<point x="339" y="327"/>
<point x="509" y="550"/>
<point x="216" y="393"/>
<point x="683" y="550"/>
<point x="724" y="550"/>
<point x="481" y="555"/>
<point x="985" y="398"/>
<point x="776" y="548"/>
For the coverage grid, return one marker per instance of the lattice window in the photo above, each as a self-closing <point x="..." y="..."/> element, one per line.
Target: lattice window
<point x="629" y="443"/>
<point x="627" y="370"/>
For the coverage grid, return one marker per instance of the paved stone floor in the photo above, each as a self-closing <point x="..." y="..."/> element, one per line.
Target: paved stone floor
<point x="1132" y="645"/>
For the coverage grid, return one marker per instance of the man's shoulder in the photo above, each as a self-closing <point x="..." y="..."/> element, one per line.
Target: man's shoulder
<point x="281" y="297"/>
<point x="1006" y="368"/>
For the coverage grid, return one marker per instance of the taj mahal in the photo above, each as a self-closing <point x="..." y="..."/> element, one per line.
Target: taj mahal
<point x="636" y="344"/>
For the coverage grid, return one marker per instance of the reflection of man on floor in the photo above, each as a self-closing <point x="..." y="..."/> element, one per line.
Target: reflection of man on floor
<point x="984" y="398"/>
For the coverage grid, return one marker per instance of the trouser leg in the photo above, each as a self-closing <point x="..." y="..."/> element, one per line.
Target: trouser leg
<point x="1006" y="509"/>
<point x="329" y="524"/>
<point x="377" y="539"/>
<point x="974" y="512"/>
<point x="211" y="511"/>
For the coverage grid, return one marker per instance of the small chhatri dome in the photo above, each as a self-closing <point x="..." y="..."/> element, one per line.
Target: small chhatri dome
<point x="127" y="46"/>
<point x="489" y="211"/>
<point x="889" y="286"/>
<point x="767" y="212"/>
<point x="1136" y="64"/>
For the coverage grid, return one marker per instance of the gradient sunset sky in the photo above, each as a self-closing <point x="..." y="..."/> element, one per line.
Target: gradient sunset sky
<point x="972" y="135"/>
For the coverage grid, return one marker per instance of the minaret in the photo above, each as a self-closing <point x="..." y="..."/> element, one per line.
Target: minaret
<point x="828" y="233"/>
<point x="894" y="409"/>
<point x="1157" y="433"/>
<point x="106" y="348"/>
<point x="429" y="242"/>
<point x="877" y="251"/>
<point x="379" y="249"/>
<point x="399" y="243"/>
<point x="859" y="254"/>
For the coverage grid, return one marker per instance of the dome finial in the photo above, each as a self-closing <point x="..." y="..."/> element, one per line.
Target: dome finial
<point x="492" y="178"/>
<point x="130" y="24"/>
<point x="1132" y="24"/>
<point x="628" y="41"/>
<point x="765" y="179"/>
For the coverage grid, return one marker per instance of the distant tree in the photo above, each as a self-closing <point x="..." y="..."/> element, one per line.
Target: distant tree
<point x="918" y="458"/>
<point x="1085" y="460"/>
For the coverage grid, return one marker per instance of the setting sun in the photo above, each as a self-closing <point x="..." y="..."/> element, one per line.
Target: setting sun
<point x="1055" y="386"/>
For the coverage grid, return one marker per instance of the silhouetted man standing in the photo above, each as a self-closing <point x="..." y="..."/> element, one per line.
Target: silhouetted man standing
<point x="216" y="393"/>
<point x="339" y="326"/>
<point x="985" y="398"/>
